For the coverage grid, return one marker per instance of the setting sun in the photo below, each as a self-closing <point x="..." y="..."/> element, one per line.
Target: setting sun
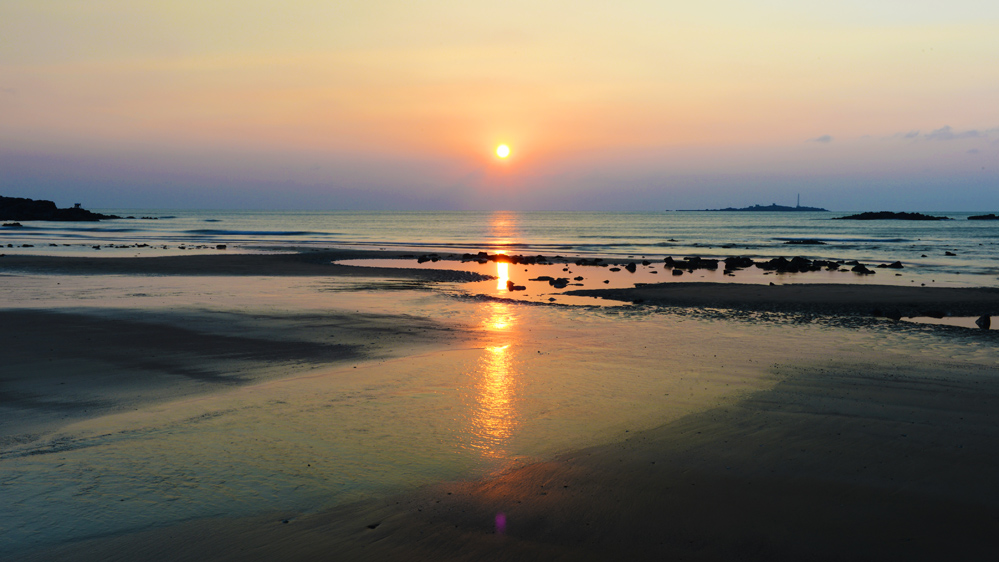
<point x="502" y="151"/>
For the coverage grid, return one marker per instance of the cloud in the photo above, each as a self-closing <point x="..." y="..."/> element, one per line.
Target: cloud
<point x="911" y="135"/>
<point x="822" y="139"/>
<point x="945" y="133"/>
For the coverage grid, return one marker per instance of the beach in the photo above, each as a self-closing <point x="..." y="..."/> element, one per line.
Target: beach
<point x="251" y="406"/>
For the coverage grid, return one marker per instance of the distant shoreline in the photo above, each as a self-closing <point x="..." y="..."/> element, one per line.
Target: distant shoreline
<point x="773" y="208"/>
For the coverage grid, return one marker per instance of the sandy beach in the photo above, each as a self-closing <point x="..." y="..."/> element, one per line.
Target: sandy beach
<point x="251" y="407"/>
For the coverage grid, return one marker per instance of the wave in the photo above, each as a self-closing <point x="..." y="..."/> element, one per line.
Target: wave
<point x="220" y="232"/>
<point x="847" y="240"/>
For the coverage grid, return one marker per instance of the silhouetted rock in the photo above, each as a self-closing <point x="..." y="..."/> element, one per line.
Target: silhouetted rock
<point x="511" y="286"/>
<point x="631" y="267"/>
<point x="808" y="242"/>
<point x="889" y="215"/>
<point x="738" y="262"/>
<point x="989" y="217"/>
<point x="984" y="322"/>
<point x="21" y="209"/>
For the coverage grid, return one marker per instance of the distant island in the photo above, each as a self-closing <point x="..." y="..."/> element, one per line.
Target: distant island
<point x="889" y="215"/>
<point x="768" y="208"/>
<point x="22" y="209"/>
<point x="989" y="217"/>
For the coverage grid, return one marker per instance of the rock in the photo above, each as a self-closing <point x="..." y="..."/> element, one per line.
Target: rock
<point x="511" y="286"/>
<point x="738" y="262"/>
<point x="893" y="315"/>
<point x="559" y="283"/>
<point x="615" y="269"/>
<point x="13" y="224"/>
<point x="578" y="278"/>
<point x="949" y="254"/>
<point x="888" y="215"/>
<point x="677" y="272"/>
<point x="984" y="322"/>
<point x="606" y="281"/>
<point x="989" y="217"/>
<point x="217" y="246"/>
<point x="22" y="209"/>
<point x="861" y="269"/>
<point x="631" y="267"/>
<point x="895" y="265"/>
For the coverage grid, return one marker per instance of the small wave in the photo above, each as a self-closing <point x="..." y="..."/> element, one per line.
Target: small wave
<point x="847" y="240"/>
<point x="212" y="231"/>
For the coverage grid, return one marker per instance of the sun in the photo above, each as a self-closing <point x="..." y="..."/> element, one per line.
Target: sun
<point x="502" y="151"/>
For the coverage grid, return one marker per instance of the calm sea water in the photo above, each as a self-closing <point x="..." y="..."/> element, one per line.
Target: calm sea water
<point x="922" y="245"/>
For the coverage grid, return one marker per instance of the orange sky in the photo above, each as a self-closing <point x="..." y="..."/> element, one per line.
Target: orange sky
<point x="578" y="90"/>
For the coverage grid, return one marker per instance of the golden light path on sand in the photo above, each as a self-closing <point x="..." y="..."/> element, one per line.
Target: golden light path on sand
<point x="495" y="418"/>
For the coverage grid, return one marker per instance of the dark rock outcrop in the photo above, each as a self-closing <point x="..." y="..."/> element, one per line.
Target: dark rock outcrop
<point x="21" y="209"/>
<point x="989" y="217"/>
<point x="889" y="215"/>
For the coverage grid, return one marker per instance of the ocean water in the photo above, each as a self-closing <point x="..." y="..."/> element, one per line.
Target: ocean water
<point x="922" y="246"/>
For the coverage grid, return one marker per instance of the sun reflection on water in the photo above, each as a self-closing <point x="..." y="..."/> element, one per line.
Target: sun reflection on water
<point x="494" y="419"/>
<point x="503" y="274"/>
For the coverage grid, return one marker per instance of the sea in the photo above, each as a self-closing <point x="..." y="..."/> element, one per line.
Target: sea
<point x="958" y="252"/>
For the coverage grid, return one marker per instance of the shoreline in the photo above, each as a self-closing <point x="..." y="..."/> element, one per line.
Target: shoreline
<point x="864" y="299"/>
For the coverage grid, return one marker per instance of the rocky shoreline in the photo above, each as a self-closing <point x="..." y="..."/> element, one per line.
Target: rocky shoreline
<point x="23" y="209"/>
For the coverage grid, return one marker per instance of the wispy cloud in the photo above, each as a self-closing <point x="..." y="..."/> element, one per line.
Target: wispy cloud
<point x="823" y="139"/>
<point x="9" y="91"/>
<point x="945" y="133"/>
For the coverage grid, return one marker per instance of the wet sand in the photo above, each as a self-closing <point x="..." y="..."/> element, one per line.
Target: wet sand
<point x="867" y="300"/>
<point x="60" y="366"/>
<point x="843" y="461"/>
<point x="886" y="452"/>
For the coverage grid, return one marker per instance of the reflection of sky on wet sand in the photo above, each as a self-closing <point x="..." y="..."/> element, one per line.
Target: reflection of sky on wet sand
<point x="494" y="419"/>
<point x="494" y="415"/>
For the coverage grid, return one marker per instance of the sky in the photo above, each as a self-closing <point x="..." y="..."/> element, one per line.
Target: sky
<point x="630" y="105"/>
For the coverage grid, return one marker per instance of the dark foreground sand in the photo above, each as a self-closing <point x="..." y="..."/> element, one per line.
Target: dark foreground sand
<point x="59" y="366"/>
<point x="837" y="462"/>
